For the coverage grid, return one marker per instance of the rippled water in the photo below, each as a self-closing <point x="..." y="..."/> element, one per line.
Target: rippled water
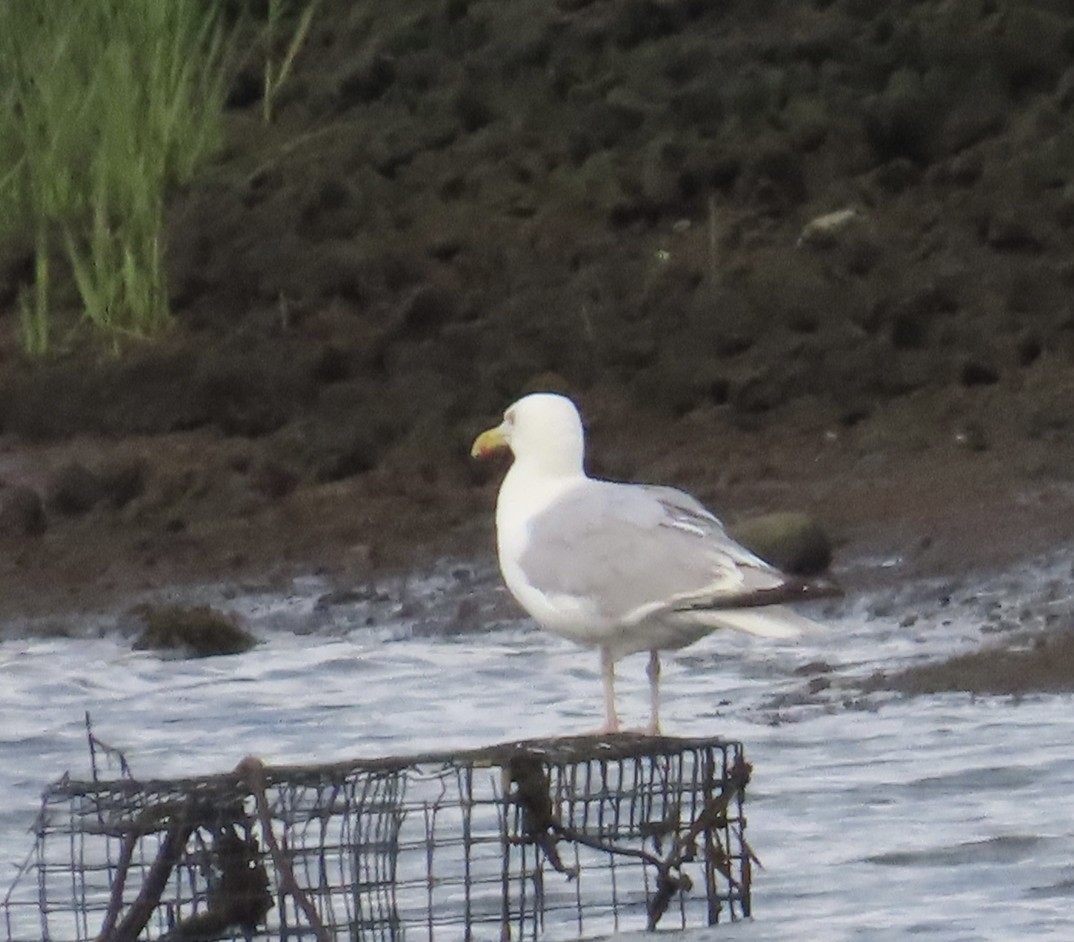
<point x="945" y="817"/>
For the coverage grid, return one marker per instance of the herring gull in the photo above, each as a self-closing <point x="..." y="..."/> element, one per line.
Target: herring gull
<point x="625" y="568"/>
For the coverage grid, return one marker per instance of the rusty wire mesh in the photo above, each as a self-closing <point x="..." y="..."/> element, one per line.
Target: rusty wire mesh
<point x="550" y="839"/>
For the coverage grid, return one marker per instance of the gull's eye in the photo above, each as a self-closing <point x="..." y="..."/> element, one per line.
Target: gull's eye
<point x="509" y="417"/>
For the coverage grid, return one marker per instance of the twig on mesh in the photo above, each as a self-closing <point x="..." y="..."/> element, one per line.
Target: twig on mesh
<point x="657" y="831"/>
<point x="542" y="826"/>
<point x="240" y="898"/>
<point x="667" y="885"/>
<point x="684" y="846"/>
<point x="115" y="897"/>
<point x="740" y="778"/>
<point x="22" y="868"/>
<point x="251" y="771"/>
<point x="171" y="849"/>
<point x="539" y="822"/>
<point x="131" y="926"/>
<point x="95" y="744"/>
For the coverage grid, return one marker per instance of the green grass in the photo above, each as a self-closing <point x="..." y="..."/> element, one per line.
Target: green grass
<point x="105" y="106"/>
<point x="276" y="71"/>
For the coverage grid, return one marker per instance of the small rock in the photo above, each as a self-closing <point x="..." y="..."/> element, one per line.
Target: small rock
<point x="791" y="541"/>
<point x="1007" y="233"/>
<point x="272" y="479"/>
<point x="21" y="512"/>
<point x="199" y="631"/>
<point x="427" y="309"/>
<point x="465" y="618"/>
<point x="368" y="81"/>
<point x="74" y="490"/>
<point x="355" y="596"/>
<point x="972" y="437"/>
<point x="122" y="481"/>
<point x="978" y="373"/>
<point x="824" y="231"/>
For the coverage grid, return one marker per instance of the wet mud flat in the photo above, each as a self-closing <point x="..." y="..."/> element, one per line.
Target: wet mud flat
<point x="1039" y="664"/>
<point x="1004" y="633"/>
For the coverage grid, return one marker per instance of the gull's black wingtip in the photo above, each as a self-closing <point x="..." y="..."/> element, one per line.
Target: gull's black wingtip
<point x="794" y="589"/>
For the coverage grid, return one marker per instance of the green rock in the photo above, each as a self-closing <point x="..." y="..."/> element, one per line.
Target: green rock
<point x="199" y="631"/>
<point x="791" y="541"/>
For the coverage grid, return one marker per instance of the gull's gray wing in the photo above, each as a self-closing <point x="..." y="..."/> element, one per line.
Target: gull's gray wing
<point x="634" y="551"/>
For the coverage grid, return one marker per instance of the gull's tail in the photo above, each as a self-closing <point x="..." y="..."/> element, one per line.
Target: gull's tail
<point x="773" y="621"/>
<point x="758" y="613"/>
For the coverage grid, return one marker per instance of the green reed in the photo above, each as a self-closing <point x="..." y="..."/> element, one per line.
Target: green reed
<point x="275" y="71"/>
<point x="106" y="106"/>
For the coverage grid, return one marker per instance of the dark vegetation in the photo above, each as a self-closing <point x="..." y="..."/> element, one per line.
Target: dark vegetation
<point x="458" y="197"/>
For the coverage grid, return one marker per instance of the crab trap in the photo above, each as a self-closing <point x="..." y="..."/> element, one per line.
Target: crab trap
<point x="544" y="839"/>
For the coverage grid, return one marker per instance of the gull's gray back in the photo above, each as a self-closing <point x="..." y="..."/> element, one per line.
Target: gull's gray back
<point x="634" y="549"/>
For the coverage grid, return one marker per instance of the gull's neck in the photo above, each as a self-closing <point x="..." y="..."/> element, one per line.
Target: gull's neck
<point x="530" y="486"/>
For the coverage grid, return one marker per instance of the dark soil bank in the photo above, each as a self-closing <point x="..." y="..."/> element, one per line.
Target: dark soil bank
<point x="790" y="255"/>
<point x="1045" y="664"/>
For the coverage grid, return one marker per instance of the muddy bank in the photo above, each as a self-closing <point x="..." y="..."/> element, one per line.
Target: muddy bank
<point x="632" y="202"/>
<point x="893" y="518"/>
<point x="1042" y="664"/>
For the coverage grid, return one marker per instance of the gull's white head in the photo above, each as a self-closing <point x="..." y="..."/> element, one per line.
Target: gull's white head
<point x="543" y="431"/>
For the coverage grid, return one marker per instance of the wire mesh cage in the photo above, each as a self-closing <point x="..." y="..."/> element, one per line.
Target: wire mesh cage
<point x="544" y="839"/>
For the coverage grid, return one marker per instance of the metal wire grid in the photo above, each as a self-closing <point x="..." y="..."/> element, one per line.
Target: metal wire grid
<point x="440" y="846"/>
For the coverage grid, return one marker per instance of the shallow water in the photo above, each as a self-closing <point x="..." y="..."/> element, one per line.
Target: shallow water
<point x="945" y="817"/>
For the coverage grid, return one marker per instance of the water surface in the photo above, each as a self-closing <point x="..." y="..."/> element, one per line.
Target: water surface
<point x="876" y="817"/>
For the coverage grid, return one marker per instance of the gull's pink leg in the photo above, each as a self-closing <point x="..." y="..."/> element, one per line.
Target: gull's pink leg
<point x="654" y="693"/>
<point x="607" y="673"/>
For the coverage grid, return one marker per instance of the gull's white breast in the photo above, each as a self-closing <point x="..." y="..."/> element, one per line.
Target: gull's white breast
<point x="522" y="497"/>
